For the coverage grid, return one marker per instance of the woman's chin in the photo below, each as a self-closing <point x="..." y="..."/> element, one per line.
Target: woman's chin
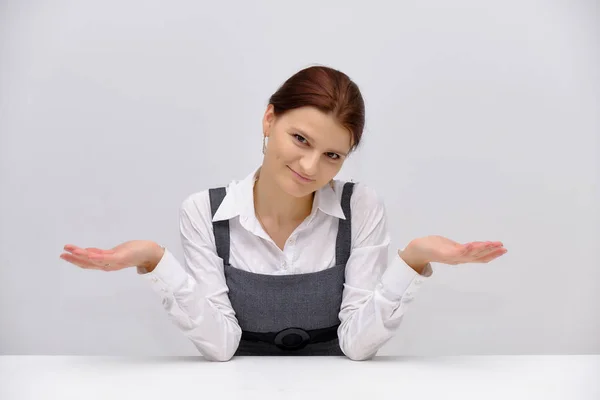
<point x="294" y="188"/>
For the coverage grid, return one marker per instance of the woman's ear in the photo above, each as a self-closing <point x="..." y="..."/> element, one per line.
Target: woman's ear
<point x="268" y="119"/>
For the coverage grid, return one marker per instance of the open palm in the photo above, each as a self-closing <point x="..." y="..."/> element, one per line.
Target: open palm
<point x="128" y="254"/>
<point x="439" y="249"/>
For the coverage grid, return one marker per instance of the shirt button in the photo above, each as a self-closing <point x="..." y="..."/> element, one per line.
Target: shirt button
<point x="154" y="279"/>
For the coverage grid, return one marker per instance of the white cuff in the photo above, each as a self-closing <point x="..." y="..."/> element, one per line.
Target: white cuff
<point x="400" y="281"/>
<point x="167" y="276"/>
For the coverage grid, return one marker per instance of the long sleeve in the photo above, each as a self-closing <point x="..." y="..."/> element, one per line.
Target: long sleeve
<point x="376" y="293"/>
<point x="195" y="295"/>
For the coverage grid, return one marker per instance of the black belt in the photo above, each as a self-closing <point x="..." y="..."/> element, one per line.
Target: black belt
<point x="293" y="338"/>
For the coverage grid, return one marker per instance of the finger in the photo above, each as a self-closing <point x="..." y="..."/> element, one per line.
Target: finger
<point x="472" y="248"/>
<point x="102" y="255"/>
<point x="89" y="258"/>
<point x="100" y="251"/>
<point x="87" y="262"/>
<point x="474" y="251"/>
<point x="101" y="261"/>
<point x="485" y="248"/>
<point x="495" y="254"/>
<point x="71" y="248"/>
<point x="79" y="261"/>
<point x="84" y="252"/>
<point x="78" y="251"/>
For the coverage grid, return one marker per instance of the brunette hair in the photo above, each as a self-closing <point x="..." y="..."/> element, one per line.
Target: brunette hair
<point x="329" y="90"/>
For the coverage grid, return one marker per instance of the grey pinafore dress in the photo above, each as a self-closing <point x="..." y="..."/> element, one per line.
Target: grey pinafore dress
<point x="286" y="314"/>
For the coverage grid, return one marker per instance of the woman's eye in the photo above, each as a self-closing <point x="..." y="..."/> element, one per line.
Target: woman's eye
<point x="302" y="140"/>
<point x="298" y="136"/>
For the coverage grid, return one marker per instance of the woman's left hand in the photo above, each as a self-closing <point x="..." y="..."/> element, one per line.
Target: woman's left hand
<point x="443" y="250"/>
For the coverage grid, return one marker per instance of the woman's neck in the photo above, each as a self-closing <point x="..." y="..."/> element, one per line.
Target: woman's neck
<point x="276" y="206"/>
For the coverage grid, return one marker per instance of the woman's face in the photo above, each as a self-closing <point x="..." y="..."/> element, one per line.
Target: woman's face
<point x="305" y="150"/>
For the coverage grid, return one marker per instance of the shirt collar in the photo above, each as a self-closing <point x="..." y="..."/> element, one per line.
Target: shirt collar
<point x="239" y="200"/>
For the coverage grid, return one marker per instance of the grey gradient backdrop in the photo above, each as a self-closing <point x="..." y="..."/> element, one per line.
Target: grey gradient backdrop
<point x="482" y="124"/>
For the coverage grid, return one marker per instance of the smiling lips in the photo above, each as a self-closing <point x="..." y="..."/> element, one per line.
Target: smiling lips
<point x="300" y="177"/>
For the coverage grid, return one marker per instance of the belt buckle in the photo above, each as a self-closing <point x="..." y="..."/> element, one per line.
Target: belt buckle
<point x="281" y="335"/>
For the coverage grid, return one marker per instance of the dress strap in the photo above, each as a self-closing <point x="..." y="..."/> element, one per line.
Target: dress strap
<point x="220" y="228"/>
<point x="343" y="244"/>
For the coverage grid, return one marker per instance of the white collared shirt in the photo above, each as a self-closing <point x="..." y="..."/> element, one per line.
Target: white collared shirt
<point x="195" y="294"/>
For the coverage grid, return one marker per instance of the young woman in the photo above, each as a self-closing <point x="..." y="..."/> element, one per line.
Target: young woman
<point x="289" y="260"/>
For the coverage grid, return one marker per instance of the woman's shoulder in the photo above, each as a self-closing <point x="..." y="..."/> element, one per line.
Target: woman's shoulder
<point x="198" y="205"/>
<point x="203" y="195"/>
<point x="364" y="197"/>
<point x="195" y="207"/>
<point x="367" y="208"/>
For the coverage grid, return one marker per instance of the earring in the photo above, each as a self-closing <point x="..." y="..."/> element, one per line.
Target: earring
<point x="264" y="144"/>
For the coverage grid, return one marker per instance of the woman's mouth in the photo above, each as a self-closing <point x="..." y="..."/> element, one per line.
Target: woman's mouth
<point x="300" y="177"/>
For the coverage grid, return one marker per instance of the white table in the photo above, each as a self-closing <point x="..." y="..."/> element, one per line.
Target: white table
<point x="306" y="378"/>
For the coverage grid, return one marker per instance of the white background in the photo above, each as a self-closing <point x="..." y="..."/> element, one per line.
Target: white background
<point x="482" y="124"/>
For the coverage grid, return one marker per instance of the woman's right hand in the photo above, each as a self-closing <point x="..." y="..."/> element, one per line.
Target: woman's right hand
<point x="134" y="253"/>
